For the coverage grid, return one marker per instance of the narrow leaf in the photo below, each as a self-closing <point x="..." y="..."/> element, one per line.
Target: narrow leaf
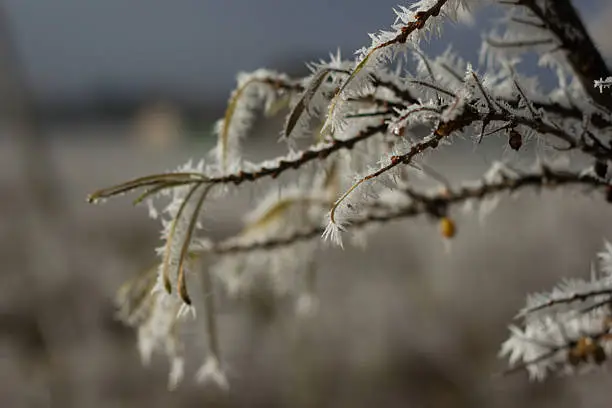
<point x="302" y="105"/>
<point x="182" y="286"/>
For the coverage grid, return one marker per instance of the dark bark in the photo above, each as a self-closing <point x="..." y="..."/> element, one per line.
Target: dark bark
<point x="562" y="19"/>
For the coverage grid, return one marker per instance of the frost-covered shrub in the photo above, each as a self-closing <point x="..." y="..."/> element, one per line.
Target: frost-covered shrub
<point x="361" y="123"/>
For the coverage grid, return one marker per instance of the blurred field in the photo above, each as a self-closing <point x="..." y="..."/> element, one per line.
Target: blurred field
<point x="400" y="324"/>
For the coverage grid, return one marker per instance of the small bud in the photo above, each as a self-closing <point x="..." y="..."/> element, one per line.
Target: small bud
<point x="601" y="168"/>
<point x="447" y="227"/>
<point x="609" y="194"/>
<point x="574" y="358"/>
<point x="599" y="355"/>
<point x="515" y="141"/>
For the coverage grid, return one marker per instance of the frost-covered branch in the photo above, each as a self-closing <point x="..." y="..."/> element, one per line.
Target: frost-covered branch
<point x="362" y="128"/>
<point x="563" y="112"/>
<point x="560" y="19"/>
<point x="587" y="143"/>
<point x="435" y="204"/>
<point x="566" y="330"/>
<point x="157" y="183"/>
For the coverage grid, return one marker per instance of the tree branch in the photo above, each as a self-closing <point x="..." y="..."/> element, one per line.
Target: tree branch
<point x="425" y="204"/>
<point x="562" y="19"/>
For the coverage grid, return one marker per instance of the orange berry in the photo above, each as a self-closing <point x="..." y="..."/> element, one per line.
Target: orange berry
<point x="447" y="227"/>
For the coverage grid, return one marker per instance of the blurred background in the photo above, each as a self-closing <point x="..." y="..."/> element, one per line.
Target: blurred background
<point x="96" y="92"/>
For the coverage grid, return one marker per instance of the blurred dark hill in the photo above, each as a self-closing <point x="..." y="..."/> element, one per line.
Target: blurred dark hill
<point x="117" y="102"/>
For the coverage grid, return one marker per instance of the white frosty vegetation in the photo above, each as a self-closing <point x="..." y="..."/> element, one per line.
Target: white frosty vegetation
<point x="603" y="83"/>
<point x="568" y="329"/>
<point x="365" y="127"/>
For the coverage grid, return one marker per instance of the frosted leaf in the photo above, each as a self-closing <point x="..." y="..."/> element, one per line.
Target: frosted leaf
<point x="152" y="210"/>
<point x="210" y="372"/>
<point x="146" y="345"/>
<point x="566" y="329"/>
<point x="254" y="90"/>
<point x="186" y="311"/>
<point x="468" y="207"/>
<point x="177" y="372"/>
<point x="487" y="206"/>
<point x="333" y="233"/>
<point x="544" y="346"/>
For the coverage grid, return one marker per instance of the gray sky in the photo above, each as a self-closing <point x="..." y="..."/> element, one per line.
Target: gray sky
<point x="195" y="47"/>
